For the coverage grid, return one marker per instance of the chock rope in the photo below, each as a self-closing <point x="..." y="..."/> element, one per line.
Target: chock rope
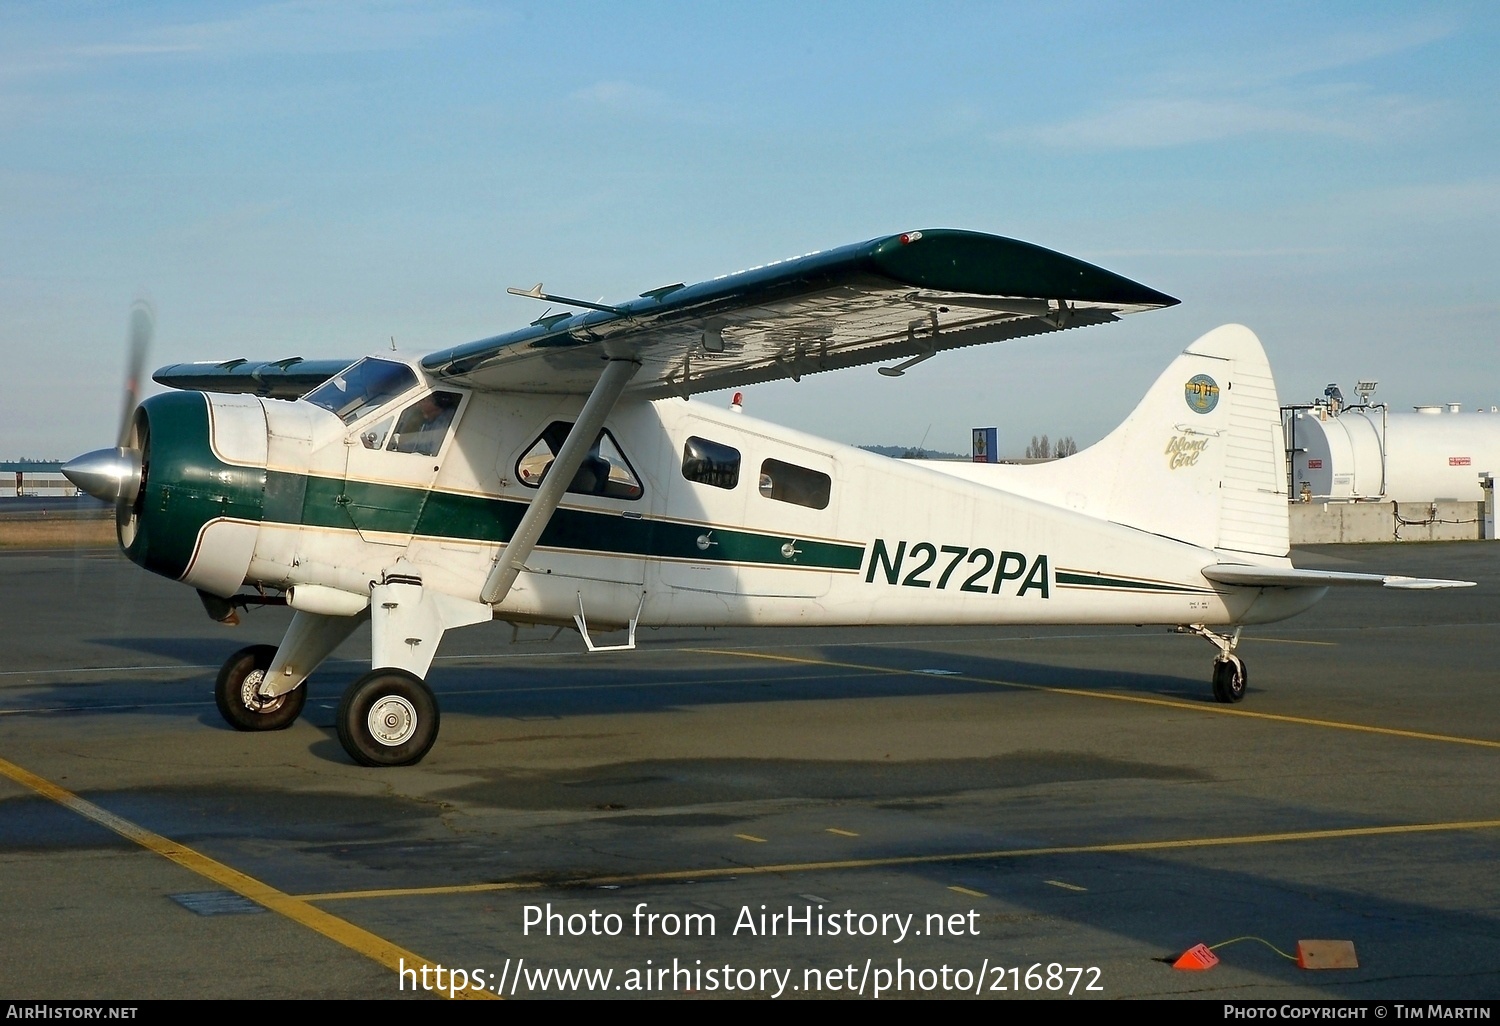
<point x="1262" y="940"/>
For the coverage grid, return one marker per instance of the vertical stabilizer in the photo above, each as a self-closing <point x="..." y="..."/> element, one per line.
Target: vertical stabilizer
<point x="1201" y="459"/>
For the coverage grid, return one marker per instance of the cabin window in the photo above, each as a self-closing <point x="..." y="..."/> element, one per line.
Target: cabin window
<point x="787" y="482"/>
<point x="360" y="389"/>
<point x="604" y="470"/>
<point x="424" y="424"/>
<point x="710" y="463"/>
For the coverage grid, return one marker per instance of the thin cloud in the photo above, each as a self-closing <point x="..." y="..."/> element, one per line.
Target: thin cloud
<point x="1284" y="91"/>
<point x="630" y="99"/>
<point x="1159" y="122"/>
<point x="622" y="96"/>
<point x="1468" y="201"/>
<point x="293" y="27"/>
<point x="105" y="50"/>
<point x="1277" y="252"/>
<point x="1286" y="61"/>
<point x="320" y="26"/>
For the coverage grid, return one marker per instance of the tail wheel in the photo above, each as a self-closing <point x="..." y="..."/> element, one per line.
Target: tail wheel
<point x="237" y="692"/>
<point x="387" y="718"/>
<point x="1230" y="679"/>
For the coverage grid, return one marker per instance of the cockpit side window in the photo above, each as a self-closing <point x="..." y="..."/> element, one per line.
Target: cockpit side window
<point x="362" y="388"/>
<point x="604" y="471"/>
<point x="424" y="424"/>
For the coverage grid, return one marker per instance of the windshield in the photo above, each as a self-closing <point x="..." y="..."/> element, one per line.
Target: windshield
<point x="360" y="389"/>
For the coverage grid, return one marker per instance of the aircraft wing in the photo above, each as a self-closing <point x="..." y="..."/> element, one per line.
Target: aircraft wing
<point x="1286" y="577"/>
<point x="891" y="298"/>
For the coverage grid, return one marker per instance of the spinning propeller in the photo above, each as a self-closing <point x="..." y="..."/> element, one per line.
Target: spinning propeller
<point x="115" y="475"/>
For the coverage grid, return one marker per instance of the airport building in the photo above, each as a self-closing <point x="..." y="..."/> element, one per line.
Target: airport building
<point x="35" y="478"/>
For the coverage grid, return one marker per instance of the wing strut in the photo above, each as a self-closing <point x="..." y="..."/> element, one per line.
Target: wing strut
<point x="617" y="374"/>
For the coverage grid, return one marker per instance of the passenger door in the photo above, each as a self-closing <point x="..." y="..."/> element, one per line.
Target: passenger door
<point x="742" y="521"/>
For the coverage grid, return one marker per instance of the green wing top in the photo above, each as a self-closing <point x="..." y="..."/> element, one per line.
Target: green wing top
<point x="891" y="298"/>
<point x="276" y="379"/>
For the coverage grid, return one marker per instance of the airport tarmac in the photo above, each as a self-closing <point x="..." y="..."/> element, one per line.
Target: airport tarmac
<point x="1043" y="812"/>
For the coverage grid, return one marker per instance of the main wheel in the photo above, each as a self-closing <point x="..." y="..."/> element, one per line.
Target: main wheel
<point x="237" y="692"/>
<point x="387" y="718"/>
<point x="1230" y="679"/>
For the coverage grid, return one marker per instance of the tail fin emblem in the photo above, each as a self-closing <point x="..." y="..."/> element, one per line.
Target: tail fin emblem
<point x="1201" y="393"/>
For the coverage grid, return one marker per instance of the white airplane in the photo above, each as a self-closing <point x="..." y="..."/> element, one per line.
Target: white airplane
<point x="553" y="475"/>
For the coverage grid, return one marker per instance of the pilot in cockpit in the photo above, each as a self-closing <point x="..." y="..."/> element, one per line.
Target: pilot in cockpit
<point x="424" y="424"/>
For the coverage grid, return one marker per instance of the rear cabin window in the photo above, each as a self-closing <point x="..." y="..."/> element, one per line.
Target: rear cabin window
<point x="604" y="470"/>
<point x="787" y="482"/>
<point x="710" y="463"/>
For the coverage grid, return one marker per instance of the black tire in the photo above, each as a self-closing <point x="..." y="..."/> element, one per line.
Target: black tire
<point x="1230" y="679"/>
<point x="387" y="718"/>
<point x="234" y="692"/>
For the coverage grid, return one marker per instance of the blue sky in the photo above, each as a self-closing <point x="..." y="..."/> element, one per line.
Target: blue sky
<point x="310" y="179"/>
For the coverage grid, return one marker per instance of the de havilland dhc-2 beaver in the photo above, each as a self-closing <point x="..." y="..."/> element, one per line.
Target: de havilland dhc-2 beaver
<point x="553" y="475"/>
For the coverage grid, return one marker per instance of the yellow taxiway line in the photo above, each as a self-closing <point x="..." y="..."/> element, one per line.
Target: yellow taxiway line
<point x="720" y="872"/>
<point x="908" y="860"/>
<point x="1167" y="703"/>
<point x="299" y="910"/>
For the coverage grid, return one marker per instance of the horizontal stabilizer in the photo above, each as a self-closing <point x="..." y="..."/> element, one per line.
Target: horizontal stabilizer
<point x="1288" y="577"/>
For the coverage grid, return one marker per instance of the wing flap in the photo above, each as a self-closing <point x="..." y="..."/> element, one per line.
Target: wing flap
<point x="890" y="298"/>
<point x="1288" y="577"/>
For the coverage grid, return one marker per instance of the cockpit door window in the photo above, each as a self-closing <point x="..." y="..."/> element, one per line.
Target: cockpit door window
<point x="424" y="424"/>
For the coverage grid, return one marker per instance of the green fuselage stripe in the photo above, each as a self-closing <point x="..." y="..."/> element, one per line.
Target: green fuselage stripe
<point x="1074" y="578"/>
<point x="188" y="486"/>
<point x="397" y="509"/>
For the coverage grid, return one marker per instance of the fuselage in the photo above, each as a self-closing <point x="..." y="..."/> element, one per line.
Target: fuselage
<point x="690" y="514"/>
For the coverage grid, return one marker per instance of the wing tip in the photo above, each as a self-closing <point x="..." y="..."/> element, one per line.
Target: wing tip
<point x="1424" y="583"/>
<point x="961" y="260"/>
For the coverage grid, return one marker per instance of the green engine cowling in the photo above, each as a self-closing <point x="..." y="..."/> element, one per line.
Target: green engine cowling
<point x="197" y="512"/>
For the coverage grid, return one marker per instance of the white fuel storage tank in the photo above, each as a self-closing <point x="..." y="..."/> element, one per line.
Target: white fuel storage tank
<point x="1371" y="453"/>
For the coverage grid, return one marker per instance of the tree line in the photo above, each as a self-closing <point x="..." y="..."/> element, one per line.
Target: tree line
<point x="1043" y="449"/>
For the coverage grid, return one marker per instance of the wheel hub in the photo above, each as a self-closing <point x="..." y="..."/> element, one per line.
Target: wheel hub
<point x="392" y="720"/>
<point x="250" y="694"/>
